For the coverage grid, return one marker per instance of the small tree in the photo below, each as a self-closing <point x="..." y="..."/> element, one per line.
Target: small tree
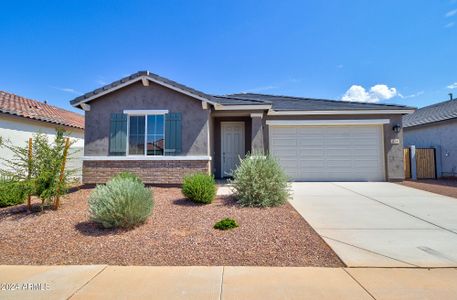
<point x="43" y="171"/>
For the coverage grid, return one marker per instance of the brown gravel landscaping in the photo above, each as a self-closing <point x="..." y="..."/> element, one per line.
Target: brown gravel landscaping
<point x="446" y="187"/>
<point x="179" y="232"/>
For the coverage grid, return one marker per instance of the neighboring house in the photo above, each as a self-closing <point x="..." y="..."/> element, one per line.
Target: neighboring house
<point x="21" y="117"/>
<point x="435" y="126"/>
<point x="163" y="130"/>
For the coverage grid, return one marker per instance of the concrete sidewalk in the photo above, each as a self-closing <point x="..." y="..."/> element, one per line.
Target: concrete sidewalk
<point x="115" y="282"/>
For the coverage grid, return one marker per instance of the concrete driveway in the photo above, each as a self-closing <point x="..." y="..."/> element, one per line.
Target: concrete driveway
<point x="380" y="224"/>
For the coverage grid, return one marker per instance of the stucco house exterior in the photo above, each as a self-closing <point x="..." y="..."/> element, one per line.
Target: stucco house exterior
<point x="21" y="118"/>
<point x="435" y="126"/>
<point x="163" y="130"/>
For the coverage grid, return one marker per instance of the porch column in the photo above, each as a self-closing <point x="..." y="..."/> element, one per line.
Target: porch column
<point x="257" y="144"/>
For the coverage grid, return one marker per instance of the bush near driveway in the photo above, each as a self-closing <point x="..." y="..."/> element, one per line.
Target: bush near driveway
<point x="199" y="188"/>
<point x="260" y="181"/>
<point x="123" y="202"/>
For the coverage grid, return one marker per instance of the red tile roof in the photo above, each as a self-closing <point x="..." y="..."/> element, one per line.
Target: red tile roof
<point x="32" y="109"/>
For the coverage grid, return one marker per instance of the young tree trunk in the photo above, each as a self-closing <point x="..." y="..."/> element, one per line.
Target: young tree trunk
<point x="29" y="175"/>
<point x="62" y="172"/>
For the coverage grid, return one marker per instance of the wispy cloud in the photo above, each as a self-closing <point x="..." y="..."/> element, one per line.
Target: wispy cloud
<point x="276" y="85"/>
<point x="451" y="13"/>
<point x="340" y="66"/>
<point x="411" y="95"/>
<point x="452" y="86"/>
<point x="101" y="80"/>
<point x="449" y="25"/>
<point x="378" y="92"/>
<point x="261" y="89"/>
<point x="67" y="90"/>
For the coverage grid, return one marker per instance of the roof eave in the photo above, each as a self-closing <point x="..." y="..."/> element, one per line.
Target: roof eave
<point x="242" y="107"/>
<point x="339" y="112"/>
<point x="77" y="102"/>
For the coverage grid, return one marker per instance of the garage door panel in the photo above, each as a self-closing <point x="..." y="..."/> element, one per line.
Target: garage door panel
<point x="310" y="152"/>
<point x="329" y="153"/>
<point x="284" y="142"/>
<point x="311" y="164"/>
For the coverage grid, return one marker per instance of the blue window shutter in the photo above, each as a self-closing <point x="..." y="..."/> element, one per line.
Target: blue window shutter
<point x="173" y="134"/>
<point x="118" y="134"/>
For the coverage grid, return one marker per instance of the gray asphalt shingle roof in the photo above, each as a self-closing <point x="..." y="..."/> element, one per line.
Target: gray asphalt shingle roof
<point x="278" y="102"/>
<point x="309" y="104"/>
<point x="430" y="114"/>
<point x="134" y="76"/>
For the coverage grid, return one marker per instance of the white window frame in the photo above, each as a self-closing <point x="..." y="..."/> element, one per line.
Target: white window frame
<point x="144" y="113"/>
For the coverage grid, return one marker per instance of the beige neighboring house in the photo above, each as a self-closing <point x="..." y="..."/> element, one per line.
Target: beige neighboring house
<point x="21" y="117"/>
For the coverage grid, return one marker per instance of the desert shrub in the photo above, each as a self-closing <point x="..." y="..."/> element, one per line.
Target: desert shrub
<point x="13" y="192"/>
<point x="42" y="172"/>
<point x="226" y="224"/>
<point x="260" y="181"/>
<point x="199" y="188"/>
<point x="122" y="202"/>
<point x="128" y="175"/>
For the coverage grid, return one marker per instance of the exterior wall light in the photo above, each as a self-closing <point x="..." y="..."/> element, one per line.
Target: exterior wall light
<point x="396" y="128"/>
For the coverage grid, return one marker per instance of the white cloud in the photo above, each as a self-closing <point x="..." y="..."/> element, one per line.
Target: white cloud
<point x="378" y="92"/>
<point x="449" y="25"/>
<point x="452" y="86"/>
<point x="261" y="89"/>
<point x="67" y="90"/>
<point x="101" y="82"/>
<point x="451" y="13"/>
<point x="412" y="95"/>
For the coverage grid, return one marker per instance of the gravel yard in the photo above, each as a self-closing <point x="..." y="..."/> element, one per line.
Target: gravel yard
<point x="446" y="187"/>
<point x="178" y="233"/>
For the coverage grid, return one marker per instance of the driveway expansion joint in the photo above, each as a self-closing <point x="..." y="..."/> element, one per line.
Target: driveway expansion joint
<point x="222" y="283"/>
<point x="371" y="251"/>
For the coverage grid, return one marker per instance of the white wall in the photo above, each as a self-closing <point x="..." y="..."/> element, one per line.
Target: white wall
<point x="18" y="130"/>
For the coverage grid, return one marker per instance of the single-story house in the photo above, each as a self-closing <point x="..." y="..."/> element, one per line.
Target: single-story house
<point x="163" y="130"/>
<point x="435" y="126"/>
<point x="21" y="117"/>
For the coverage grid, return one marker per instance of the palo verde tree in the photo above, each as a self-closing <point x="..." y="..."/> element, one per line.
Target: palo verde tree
<point x="42" y="167"/>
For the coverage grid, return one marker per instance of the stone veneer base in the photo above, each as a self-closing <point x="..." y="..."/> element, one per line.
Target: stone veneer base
<point x="150" y="171"/>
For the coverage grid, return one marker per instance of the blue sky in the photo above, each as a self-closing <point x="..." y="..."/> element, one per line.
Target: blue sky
<point x="387" y="51"/>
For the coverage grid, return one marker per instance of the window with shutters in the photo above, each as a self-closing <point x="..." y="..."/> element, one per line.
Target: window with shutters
<point x="146" y="134"/>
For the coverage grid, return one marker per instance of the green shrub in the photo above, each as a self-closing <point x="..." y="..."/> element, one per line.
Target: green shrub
<point x="199" y="188"/>
<point x="13" y="192"/>
<point x="128" y="175"/>
<point x="122" y="202"/>
<point x="42" y="172"/>
<point x="260" y="181"/>
<point x="226" y="224"/>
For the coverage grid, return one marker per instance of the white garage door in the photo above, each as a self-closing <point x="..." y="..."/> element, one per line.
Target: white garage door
<point x="329" y="153"/>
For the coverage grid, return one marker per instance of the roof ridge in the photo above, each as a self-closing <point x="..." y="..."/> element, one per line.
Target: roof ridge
<point x="14" y="104"/>
<point x="438" y="104"/>
<point x="40" y="102"/>
<point x="243" y="99"/>
<point x="323" y="100"/>
<point x="134" y="76"/>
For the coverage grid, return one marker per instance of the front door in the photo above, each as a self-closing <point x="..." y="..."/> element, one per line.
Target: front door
<point x="232" y="146"/>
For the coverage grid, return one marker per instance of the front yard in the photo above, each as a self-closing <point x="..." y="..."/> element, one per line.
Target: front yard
<point x="179" y="232"/>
